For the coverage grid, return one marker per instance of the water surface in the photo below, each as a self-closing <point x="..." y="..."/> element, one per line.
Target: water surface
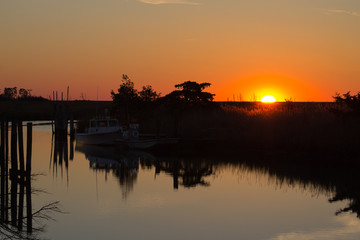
<point x="108" y="194"/>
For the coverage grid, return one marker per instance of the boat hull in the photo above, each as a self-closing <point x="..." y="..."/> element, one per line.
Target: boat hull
<point x="98" y="138"/>
<point x="145" y="143"/>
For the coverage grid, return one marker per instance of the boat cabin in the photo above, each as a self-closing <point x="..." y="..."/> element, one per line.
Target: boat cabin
<point x="103" y="125"/>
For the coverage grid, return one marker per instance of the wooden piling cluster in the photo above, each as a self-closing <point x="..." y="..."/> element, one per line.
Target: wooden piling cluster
<point x="19" y="174"/>
<point x="60" y="147"/>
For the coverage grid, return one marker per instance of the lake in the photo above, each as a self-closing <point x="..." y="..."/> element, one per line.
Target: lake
<point x="105" y="193"/>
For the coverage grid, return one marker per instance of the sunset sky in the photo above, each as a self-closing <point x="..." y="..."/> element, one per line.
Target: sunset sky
<point x="301" y="49"/>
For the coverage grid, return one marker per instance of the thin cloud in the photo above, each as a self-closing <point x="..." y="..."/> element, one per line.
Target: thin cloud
<point x="349" y="229"/>
<point x="341" y="11"/>
<point x="157" y="2"/>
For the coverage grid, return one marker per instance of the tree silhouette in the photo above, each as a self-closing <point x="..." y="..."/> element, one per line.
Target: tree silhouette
<point x="126" y="92"/>
<point x="191" y="92"/>
<point x="126" y="97"/>
<point x="24" y="93"/>
<point x="148" y="94"/>
<point x="10" y="93"/>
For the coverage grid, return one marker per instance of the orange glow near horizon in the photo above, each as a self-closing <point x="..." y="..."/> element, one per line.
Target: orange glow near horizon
<point x="51" y="45"/>
<point x="255" y="87"/>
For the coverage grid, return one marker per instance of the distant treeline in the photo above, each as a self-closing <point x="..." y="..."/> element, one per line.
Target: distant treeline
<point x="185" y="93"/>
<point x="12" y="93"/>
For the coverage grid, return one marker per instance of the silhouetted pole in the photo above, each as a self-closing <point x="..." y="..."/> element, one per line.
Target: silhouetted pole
<point x="21" y="203"/>
<point x="28" y="206"/>
<point x="65" y="149"/>
<point x="6" y="171"/>
<point x="13" y="174"/>
<point x="21" y="148"/>
<point x="2" y="159"/>
<point x="72" y="137"/>
<point x="55" y="155"/>
<point x="14" y="164"/>
<point x="28" y="178"/>
<point x="21" y="176"/>
<point x="28" y="150"/>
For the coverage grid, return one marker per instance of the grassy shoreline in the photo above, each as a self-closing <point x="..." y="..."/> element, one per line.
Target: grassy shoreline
<point x="228" y="127"/>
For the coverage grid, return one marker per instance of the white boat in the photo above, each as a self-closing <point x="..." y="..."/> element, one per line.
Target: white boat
<point x="101" y="131"/>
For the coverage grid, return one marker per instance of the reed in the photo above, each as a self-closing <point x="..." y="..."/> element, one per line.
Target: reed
<point x="305" y="127"/>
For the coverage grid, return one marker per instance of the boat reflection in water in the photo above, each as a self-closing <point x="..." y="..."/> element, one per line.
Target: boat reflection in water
<point x="124" y="165"/>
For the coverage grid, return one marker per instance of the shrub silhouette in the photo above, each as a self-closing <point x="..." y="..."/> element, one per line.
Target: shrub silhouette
<point x="351" y="101"/>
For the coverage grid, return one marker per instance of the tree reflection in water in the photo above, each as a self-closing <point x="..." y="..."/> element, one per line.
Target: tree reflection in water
<point x="125" y="166"/>
<point x="317" y="174"/>
<point x="191" y="173"/>
<point x="329" y="177"/>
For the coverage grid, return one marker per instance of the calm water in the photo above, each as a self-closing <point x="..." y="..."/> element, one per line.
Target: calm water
<point x="139" y="196"/>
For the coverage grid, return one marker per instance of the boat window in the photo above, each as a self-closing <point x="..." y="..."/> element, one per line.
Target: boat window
<point x="102" y="123"/>
<point x="112" y="123"/>
<point x="93" y="124"/>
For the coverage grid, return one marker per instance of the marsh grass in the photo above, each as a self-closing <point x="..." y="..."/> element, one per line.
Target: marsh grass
<point x="302" y="127"/>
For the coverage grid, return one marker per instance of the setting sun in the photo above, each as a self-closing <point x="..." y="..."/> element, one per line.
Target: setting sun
<point x="268" y="99"/>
